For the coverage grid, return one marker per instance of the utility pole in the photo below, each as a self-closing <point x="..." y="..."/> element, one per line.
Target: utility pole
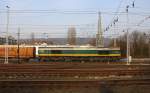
<point x="128" y="42"/>
<point x="148" y="37"/>
<point x="45" y="37"/>
<point x="18" y="50"/>
<point x="32" y="38"/>
<point x="7" y="41"/>
<point x="99" y="36"/>
<point x="115" y="43"/>
<point x="148" y="45"/>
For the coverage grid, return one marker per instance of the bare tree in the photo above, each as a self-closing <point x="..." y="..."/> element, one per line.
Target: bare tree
<point x="72" y="36"/>
<point x="138" y="44"/>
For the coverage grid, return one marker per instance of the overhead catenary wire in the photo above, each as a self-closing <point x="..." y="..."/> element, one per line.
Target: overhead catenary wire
<point x="74" y="12"/>
<point x="118" y="8"/>
<point x="113" y="22"/>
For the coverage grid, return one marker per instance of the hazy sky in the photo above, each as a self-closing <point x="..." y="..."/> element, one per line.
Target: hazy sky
<point x="55" y="16"/>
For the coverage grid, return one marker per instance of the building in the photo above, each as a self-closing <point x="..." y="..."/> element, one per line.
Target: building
<point x="11" y="40"/>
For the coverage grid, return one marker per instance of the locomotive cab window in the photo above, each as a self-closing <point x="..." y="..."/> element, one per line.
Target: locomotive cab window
<point x="41" y="51"/>
<point x="44" y="51"/>
<point x="114" y="52"/>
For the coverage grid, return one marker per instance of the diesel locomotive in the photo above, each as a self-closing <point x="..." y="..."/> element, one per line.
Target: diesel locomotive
<point x="61" y="53"/>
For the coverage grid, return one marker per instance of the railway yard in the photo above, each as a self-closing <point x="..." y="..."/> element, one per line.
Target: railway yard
<point x="71" y="69"/>
<point x="74" y="46"/>
<point x="75" y="78"/>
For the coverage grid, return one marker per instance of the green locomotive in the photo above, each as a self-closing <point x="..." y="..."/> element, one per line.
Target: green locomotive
<point x="78" y="54"/>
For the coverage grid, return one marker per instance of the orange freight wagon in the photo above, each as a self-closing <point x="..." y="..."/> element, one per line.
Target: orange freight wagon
<point x="24" y="52"/>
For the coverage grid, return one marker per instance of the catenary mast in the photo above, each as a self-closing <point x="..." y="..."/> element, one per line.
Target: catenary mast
<point x="99" y="36"/>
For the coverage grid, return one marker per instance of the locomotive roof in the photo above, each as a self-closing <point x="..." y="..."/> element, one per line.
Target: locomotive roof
<point x="64" y="47"/>
<point x="76" y="48"/>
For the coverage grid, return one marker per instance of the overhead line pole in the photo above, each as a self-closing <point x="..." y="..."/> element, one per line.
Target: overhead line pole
<point x="149" y="46"/>
<point x="7" y="41"/>
<point x="115" y="45"/>
<point x="18" y="50"/>
<point x="128" y="42"/>
<point x="99" y="38"/>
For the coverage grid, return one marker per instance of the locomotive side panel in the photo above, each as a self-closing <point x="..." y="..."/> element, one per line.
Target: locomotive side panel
<point x="78" y="54"/>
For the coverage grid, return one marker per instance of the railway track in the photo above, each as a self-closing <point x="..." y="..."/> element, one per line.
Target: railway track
<point x="71" y="71"/>
<point x="73" y="66"/>
<point x="135" y="61"/>
<point x="73" y="83"/>
<point x="72" y="74"/>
